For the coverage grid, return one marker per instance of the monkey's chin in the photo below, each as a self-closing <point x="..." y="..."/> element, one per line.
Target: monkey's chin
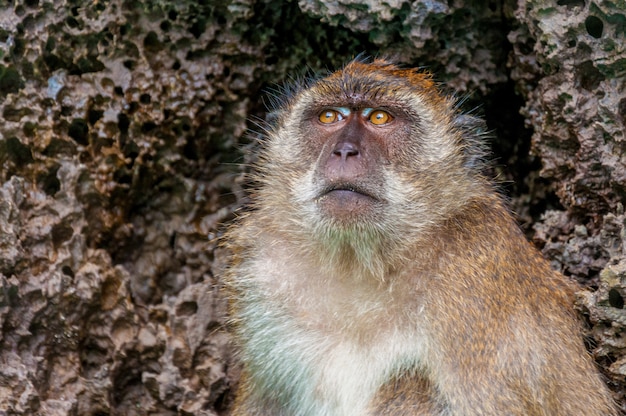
<point x="346" y="204"/>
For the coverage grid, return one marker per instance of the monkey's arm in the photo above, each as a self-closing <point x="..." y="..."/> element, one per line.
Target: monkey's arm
<point x="507" y="340"/>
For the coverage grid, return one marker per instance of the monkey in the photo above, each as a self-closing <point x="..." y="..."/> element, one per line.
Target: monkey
<point x="378" y="270"/>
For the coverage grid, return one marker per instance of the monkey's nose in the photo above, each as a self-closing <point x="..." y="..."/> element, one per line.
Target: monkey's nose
<point x="345" y="150"/>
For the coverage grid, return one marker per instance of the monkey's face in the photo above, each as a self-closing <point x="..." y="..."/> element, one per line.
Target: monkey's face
<point x="369" y="149"/>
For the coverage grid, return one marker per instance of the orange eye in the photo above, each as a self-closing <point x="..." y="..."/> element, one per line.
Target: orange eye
<point x="380" y="117"/>
<point x="329" y="116"/>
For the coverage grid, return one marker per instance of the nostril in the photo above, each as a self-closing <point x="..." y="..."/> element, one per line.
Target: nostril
<point x="345" y="150"/>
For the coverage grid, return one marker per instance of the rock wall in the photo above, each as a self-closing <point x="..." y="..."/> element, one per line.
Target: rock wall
<point x="123" y="137"/>
<point x="569" y="64"/>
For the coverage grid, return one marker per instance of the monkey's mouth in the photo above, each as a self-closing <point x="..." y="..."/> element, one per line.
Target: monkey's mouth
<point x="347" y="191"/>
<point x="347" y="202"/>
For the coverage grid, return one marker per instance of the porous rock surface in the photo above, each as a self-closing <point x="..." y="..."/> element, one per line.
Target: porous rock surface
<point x="569" y="63"/>
<point x="121" y="143"/>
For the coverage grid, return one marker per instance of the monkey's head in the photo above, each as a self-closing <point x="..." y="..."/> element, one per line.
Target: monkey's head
<point x="367" y="157"/>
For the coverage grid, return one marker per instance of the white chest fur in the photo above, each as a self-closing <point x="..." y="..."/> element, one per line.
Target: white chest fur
<point x="351" y="374"/>
<point x="318" y="354"/>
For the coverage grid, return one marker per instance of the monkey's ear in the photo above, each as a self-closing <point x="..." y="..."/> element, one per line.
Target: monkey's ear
<point x="474" y="137"/>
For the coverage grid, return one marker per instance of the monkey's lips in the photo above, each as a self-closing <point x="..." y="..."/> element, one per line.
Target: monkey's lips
<point x="343" y="201"/>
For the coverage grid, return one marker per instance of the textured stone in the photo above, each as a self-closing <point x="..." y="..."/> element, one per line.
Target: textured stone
<point x="569" y="63"/>
<point x="576" y="103"/>
<point x="463" y="45"/>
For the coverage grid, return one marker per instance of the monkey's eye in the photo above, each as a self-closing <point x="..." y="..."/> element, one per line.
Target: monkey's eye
<point x="330" y="116"/>
<point x="379" y="117"/>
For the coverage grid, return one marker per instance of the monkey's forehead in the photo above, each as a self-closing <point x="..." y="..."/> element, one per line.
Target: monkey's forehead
<point x="376" y="83"/>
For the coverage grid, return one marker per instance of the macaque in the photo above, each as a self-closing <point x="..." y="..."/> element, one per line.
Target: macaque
<point x="378" y="272"/>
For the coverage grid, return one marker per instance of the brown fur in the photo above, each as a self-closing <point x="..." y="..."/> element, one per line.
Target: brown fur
<point x="421" y="298"/>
